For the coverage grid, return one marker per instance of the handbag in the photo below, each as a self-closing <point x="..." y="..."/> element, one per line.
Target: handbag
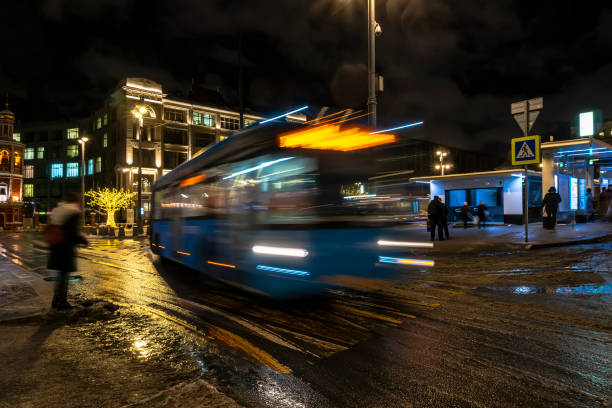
<point x="54" y="234"/>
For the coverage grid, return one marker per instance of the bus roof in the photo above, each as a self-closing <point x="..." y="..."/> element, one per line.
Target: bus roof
<point x="237" y="146"/>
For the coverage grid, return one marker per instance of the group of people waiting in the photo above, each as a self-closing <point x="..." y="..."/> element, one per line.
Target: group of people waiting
<point x="437" y="214"/>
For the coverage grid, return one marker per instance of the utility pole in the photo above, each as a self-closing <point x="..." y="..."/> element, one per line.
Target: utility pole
<point x="526" y="182"/>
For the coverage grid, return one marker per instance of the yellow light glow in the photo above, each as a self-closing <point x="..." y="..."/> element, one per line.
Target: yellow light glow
<point x="332" y="137"/>
<point x="142" y="110"/>
<point x="183" y="253"/>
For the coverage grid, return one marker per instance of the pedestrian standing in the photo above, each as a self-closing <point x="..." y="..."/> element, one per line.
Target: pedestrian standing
<point x="465" y="213"/>
<point x="590" y="207"/>
<point x="434" y="213"/>
<point x="63" y="235"/>
<point x="482" y="212"/>
<point x="551" y="204"/>
<point x="444" y="219"/>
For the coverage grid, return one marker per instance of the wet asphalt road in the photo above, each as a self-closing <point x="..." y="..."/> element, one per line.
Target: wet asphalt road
<point x="523" y="329"/>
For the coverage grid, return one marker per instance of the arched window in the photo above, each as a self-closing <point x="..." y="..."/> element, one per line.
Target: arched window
<point x="17" y="159"/>
<point x="3" y="188"/>
<point x="5" y="158"/>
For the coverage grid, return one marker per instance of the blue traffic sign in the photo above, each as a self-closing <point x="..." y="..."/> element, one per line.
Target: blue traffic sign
<point x="526" y="150"/>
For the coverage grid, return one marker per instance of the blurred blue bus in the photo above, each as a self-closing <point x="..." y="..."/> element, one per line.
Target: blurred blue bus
<point x="277" y="209"/>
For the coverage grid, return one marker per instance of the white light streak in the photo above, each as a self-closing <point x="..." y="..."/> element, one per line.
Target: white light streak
<point x="269" y="250"/>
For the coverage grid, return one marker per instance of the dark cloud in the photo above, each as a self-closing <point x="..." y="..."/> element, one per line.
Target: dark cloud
<point x="456" y="65"/>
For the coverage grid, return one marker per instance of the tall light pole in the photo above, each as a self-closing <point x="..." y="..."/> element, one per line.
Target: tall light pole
<point x="442" y="166"/>
<point x="82" y="142"/>
<point x="139" y="113"/>
<point x="373" y="30"/>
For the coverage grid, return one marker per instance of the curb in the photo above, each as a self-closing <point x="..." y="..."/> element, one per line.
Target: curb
<point x="601" y="238"/>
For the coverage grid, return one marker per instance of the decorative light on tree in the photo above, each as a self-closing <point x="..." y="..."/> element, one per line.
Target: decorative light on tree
<point x="110" y="200"/>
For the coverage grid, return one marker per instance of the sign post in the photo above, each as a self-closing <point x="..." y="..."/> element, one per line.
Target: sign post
<point x="526" y="149"/>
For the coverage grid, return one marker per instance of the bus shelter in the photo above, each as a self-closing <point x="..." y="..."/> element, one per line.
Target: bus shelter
<point x="572" y="167"/>
<point x="500" y="190"/>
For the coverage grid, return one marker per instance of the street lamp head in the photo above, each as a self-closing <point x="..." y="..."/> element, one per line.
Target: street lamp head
<point x="142" y="110"/>
<point x="378" y="30"/>
<point x="444" y="154"/>
<point x="437" y="167"/>
<point x="438" y="152"/>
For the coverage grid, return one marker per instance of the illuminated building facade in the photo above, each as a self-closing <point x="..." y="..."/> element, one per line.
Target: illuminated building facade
<point x="11" y="173"/>
<point x="180" y="130"/>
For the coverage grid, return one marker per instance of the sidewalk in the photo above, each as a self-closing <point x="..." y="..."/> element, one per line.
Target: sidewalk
<point x="23" y="294"/>
<point x="512" y="237"/>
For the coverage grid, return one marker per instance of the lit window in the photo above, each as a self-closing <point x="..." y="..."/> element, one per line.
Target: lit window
<point x="29" y="153"/>
<point x="5" y="158"/>
<point x="17" y="137"/>
<point x="175" y="115"/>
<point x="201" y="118"/>
<point x="57" y="170"/>
<point x="105" y="119"/>
<point x="72" y="151"/>
<point x="99" y="123"/>
<point x="40" y="152"/>
<point x="17" y="156"/>
<point x="29" y="171"/>
<point x="72" y="133"/>
<point x="98" y="164"/>
<point x="230" y="123"/>
<point x="90" y="166"/>
<point x="28" y="190"/>
<point x="249" y="122"/>
<point x="105" y="140"/>
<point x="72" y="169"/>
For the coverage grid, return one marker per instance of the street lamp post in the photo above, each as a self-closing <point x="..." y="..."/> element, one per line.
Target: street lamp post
<point x="139" y="113"/>
<point x="82" y="142"/>
<point x="442" y="166"/>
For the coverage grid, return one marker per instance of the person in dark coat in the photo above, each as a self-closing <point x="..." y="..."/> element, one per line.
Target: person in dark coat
<point x="65" y="221"/>
<point x="434" y="213"/>
<point x="590" y="206"/>
<point x="482" y="215"/>
<point x="444" y="219"/>
<point x="551" y="204"/>
<point x="465" y="213"/>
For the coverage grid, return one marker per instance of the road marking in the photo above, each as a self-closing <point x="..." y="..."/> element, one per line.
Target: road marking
<point x="107" y="264"/>
<point x="368" y="314"/>
<point x="417" y="302"/>
<point x="237" y="342"/>
<point x="406" y="315"/>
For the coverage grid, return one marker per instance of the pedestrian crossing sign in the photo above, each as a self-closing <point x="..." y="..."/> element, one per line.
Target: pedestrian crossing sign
<point x="526" y="150"/>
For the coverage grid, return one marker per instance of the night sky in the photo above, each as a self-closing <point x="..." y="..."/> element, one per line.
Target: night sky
<point x="457" y="65"/>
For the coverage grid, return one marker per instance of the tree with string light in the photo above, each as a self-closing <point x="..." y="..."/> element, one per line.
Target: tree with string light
<point x="110" y="200"/>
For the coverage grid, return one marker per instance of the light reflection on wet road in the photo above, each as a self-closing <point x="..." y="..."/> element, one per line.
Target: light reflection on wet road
<point x="518" y="329"/>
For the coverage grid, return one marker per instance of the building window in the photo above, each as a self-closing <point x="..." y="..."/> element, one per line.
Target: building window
<point x="72" y="169"/>
<point x="28" y="190"/>
<point x="72" y="151"/>
<point x="105" y="140"/>
<point x="175" y="136"/>
<point x="90" y="166"/>
<point x="17" y="137"/>
<point x="5" y="158"/>
<point x="17" y="157"/>
<point x="29" y="153"/>
<point x="98" y="123"/>
<point x="105" y="119"/>
<point x="175" y="115"/>
<point x="57" y="170"/>
<point x="29" y="171"/>
<point x="206" y="119"/>
<point x="40" y="152"/>
<point x="98" y="164"/>
<point x="249" y="122"/>
<point x="72" y="133"/>
<point x="230" y="123"/>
